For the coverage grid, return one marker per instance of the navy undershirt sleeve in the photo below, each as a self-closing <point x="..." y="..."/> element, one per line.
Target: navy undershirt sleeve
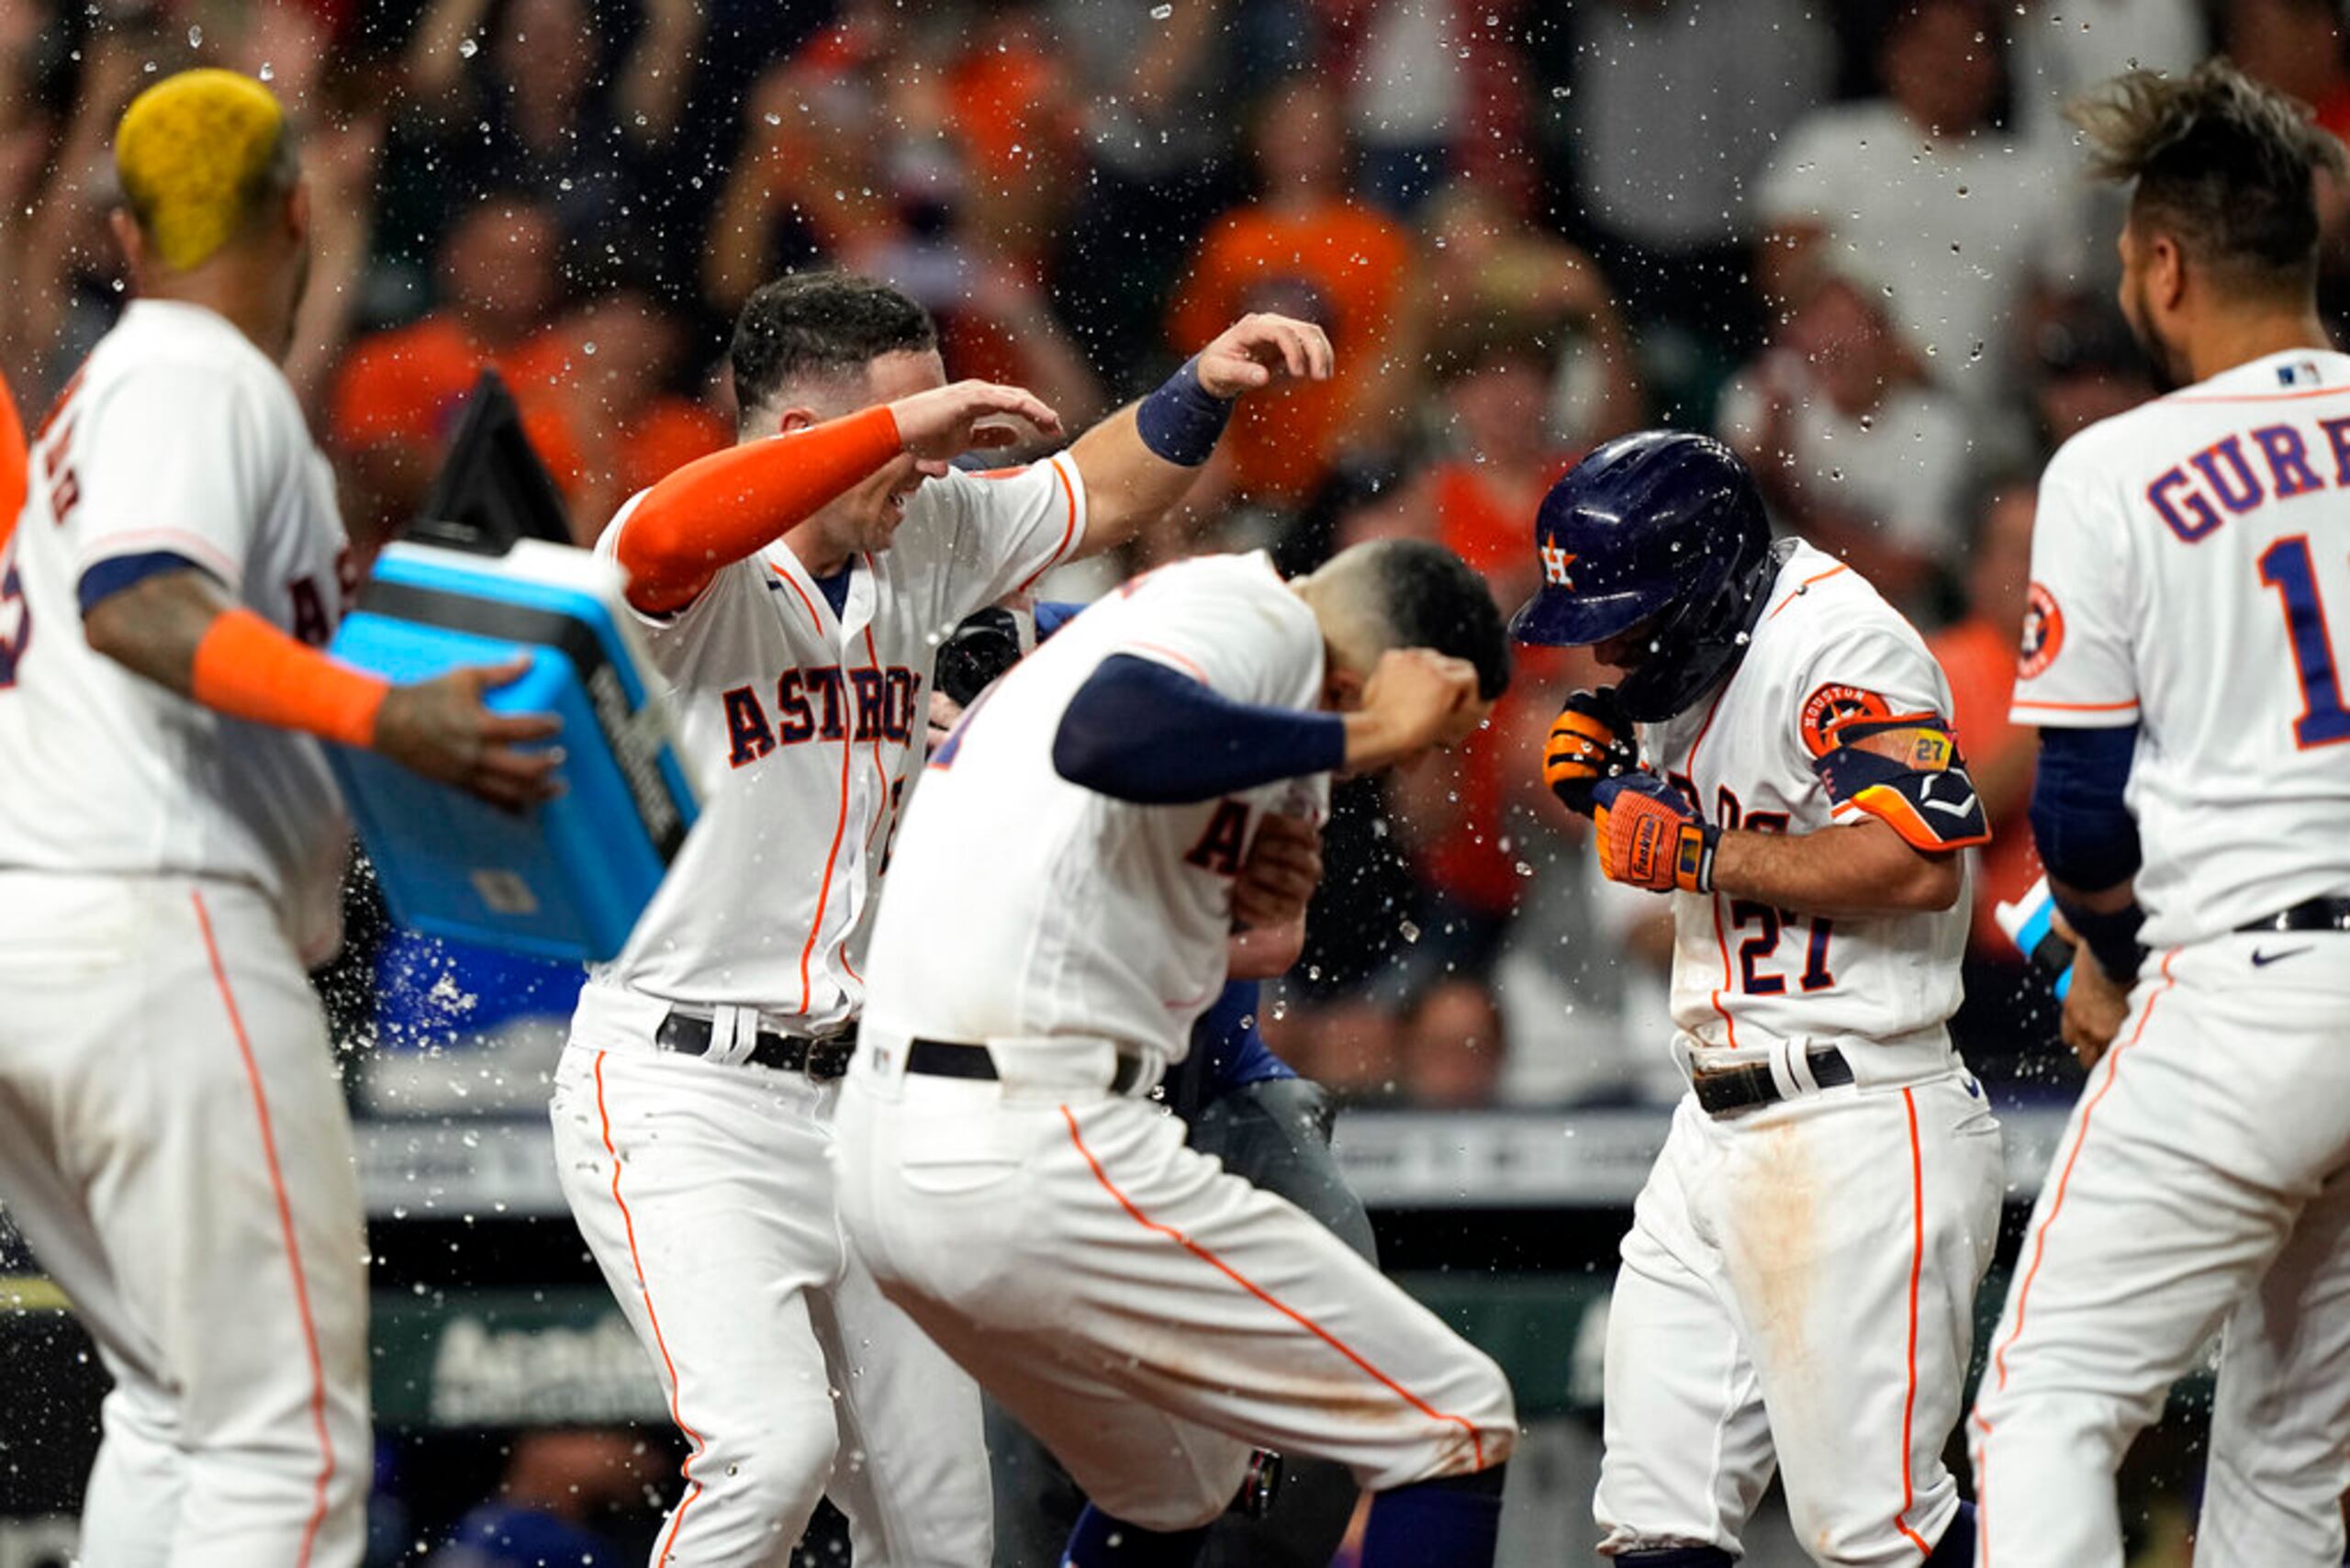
<point x="116" y="573"/>
<point x="1139" y="730"/>
<point x="2087" y="837"/>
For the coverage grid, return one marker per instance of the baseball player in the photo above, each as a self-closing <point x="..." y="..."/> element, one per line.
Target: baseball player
<point x="1240" y="1104"/>
<point x="2194" y="795"/>
<point x="1798" y="1286"/>
<point x="1147" y="1315"/>
<point x="795" y="589"/>
<point x="172" y="1138"/>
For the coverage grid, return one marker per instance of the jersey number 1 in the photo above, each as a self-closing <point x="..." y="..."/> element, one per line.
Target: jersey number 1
<point x="2285" y="566"/>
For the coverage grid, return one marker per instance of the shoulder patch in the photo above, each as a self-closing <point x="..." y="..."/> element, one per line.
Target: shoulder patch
<point x="1835" y="705"/>
<point x="2043" y="632"/>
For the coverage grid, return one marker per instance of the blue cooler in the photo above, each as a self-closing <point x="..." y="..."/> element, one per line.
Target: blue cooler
<point x="565" y="879"/>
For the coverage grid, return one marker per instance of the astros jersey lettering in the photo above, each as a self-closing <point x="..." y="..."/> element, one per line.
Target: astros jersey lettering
<point x="1826" y="649"/>
<point x="812" y="723"/>
<point x="102" y="770"/>
<point x="1095" y="917"/>
<point x="2214" y="519"/>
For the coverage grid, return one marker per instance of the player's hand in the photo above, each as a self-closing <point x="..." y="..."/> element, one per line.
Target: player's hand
<point x="1590" y="740"/>
<point x="1284" y="867"/>
<point x="1650" y="836"/>
<point x="944" y="714"/>
<point x="442" y="730"/>
<point x="1414" y="699"/>
<point x="949" y="420"/>
<point x="2095" y="1003"/>
<point x="1257" y="349"/>
<point x="1264" y="952"/>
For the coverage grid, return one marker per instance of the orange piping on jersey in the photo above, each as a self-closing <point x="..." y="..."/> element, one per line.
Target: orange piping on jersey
<point x="873" y="656"/>
<point x="1191" y="669"/>
<point x="1068" y="528"/>
<point x="14" y="462"/>
<point x="286" y="1230"/>
<point x="1476" y="1438"/>
<point x="825" y="893"/>
<point x="1721" y="937"/>
<point x="1917" y="1268"/>
<point x="1791" y="593"/>
<point x="2257" y="397"/>
<point x="815" y="624"/>
<point x="2077" y="707"/>
<point x="2080" y="1137"/>
<point x="644" y="1294"/>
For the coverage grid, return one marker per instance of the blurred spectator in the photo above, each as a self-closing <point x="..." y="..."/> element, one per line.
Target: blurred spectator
<point x="1307" y="248"/>
<point x="2294" y="46"/>
<point x="519" y="96"/>
<point x="557" y="1486"/>
<point x="1917" y="186"/>
<point x="1673" y="110"/>
<point x="1978" y="655"/>
<point x="397" y="399"/>
<point x="1434" y="88"/>
<point x="1854" y="448"/>
<point x="2090" y="369"/>
<point x="813" y="179"/>
<point x="1164" y="86"/>
<point x="2058" y="50"/>
<point x="607" y="372"/>
<point x="1015" y="114"/>
<point x="1491" y="275"/>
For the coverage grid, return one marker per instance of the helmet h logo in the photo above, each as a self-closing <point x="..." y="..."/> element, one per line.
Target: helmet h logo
<point x="1555" y="563"/>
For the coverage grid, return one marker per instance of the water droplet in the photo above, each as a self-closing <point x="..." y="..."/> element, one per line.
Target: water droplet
<point x="268" y="71"/>
<point x="1161" y="12"/>
<point x="775" y="119"/>
<point x="1408" y="930"/>
<point x="468" y="47"/>
<point x="588" y="348"/>
<point x="1868" y="422"/>
<point x="196" y="37"/>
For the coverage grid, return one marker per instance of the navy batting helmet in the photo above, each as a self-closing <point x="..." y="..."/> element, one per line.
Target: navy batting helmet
<point x="1659" y="530"/>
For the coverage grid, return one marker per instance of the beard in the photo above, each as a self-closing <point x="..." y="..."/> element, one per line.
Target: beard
<point x="2168" y="364"/>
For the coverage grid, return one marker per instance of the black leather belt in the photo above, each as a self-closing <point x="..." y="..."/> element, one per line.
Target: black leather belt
<point x="820" y="1059"/>
<point x="2312" y="914"/>
<point x="956" y="1059"/>
<point x="1723" y="1090"/>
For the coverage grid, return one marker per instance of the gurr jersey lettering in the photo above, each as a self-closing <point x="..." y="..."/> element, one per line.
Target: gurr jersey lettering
<point x="2217" y="518"/>
<point x="1025" y="906"/>
<point x="812" y="725"/>
<point x="1745" y="973"/>
<point x="177" y="437"/>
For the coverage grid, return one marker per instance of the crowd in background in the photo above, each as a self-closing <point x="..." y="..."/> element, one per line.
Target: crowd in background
<point x="1850" y="236"/>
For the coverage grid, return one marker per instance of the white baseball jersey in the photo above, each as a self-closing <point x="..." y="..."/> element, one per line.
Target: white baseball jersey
<point x="1827" y="648"/>
<point x="813" y="723"/>
<point x="2191" y="574"/>
<point x="1025" y="906"/>
<point x="178" y="437"/>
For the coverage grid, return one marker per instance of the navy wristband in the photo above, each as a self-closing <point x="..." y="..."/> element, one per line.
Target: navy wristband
<point x="1182" y="420"/>
<point x="2111" y="938"/>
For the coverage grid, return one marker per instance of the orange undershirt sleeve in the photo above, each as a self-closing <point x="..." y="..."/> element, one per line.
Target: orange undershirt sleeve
<point x="247" y="668"/>
<point x="720" y="509"/>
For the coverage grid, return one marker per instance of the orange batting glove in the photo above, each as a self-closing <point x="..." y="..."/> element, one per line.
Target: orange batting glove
<point x="1590" y="740"/>
<point x="1650" y="837"/>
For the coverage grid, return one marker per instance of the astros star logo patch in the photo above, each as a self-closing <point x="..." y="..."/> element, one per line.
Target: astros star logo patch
<point x="1555" y="563"/>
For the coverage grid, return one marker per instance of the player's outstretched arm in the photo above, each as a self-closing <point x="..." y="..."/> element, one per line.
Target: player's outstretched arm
<point x="1865" y="869"/>
<point x="724" y="507"/>
<point x="180" y="630"/>
<point x="1141" y="459"/>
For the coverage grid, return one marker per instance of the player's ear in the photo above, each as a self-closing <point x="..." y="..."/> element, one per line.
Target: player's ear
<point x="2165" y="270"/>
<point x="1341" y="688"/>
<point x="127" y="235"/>
<point x="796" y="417"/>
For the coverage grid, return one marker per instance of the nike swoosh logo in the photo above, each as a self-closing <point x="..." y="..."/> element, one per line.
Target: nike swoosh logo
<point x="2262" y="961"/>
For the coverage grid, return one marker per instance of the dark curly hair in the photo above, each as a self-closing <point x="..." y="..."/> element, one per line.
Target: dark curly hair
<point x="819" y="324"/>
<point x="2225" y="166"/>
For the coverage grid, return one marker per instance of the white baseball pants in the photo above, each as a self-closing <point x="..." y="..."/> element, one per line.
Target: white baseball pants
<point x="705" y="1191"/>
<point x="2204" y="1179"/>
<point x="1797" y="1291"/>
<point x="1148" y="1317"/>
<point x="174" y="1148"/>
